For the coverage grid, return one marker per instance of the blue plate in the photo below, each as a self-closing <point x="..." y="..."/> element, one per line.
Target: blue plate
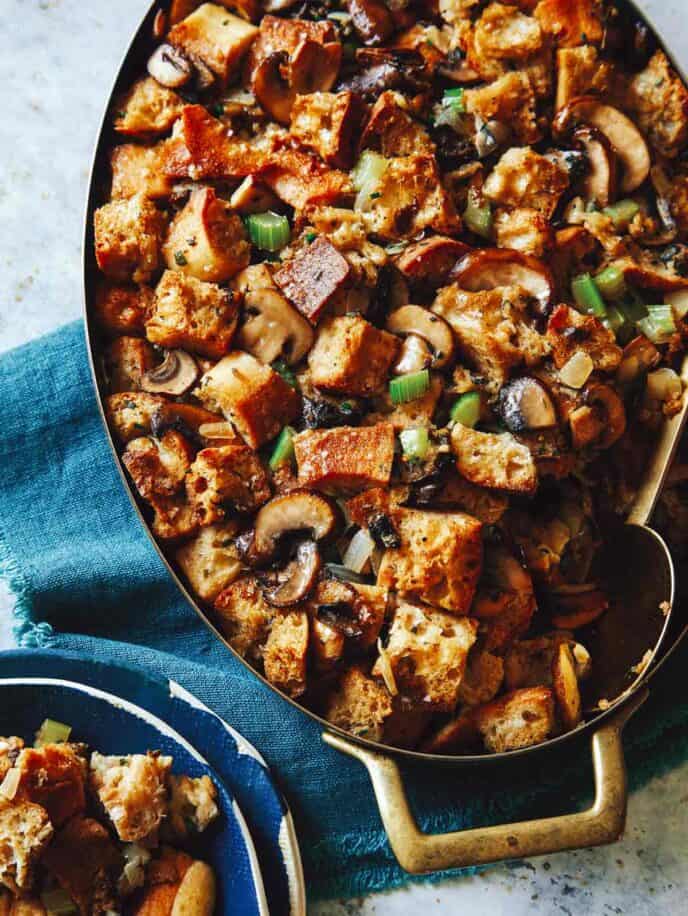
<point x="119" y="709"/>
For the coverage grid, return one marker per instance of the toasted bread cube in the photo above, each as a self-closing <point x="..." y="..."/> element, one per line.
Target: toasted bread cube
<point x="515" y="615"/>
<point x="280" y="34"/>
<point x="313" y="277"/>
<point x="439" y="559"/>
<point x="216" y="36"/>
<point x="164" y="873"/>
<point x="128" y="235"/>
<point x="571" y="22"/>
<point x="565" y="687"/>
<point x="359" y="705"/>
<point x="524" y="178"/>
<point x="193" y="315"/>
<point x="458" y="493"/>
<point x="346" y="457"/>
<point x="193" y="806"/>
<point x="230" y="478"/>
<point x="482" y="678"/>
<point x="528" y="662"/>
<point x="352" y="356"/>
<point x="122" y="309"/>
<point x="158" y="467"/>
<point x="25" y="832"/>
<point x="393" y="132"/>
<point x="131" y="413"/>
<point x="580" y="71"/>
<point x="133" y="791"/>
<point x="568" y="331"/>
<point x="428" y="650"/>
<point x="525" y="230"/>
<point x="518" y="719"/>
<point x="363" y="610"/>
<point x="138" y="170"/>
<point x="301" y="179"/>
<point x="147" y="109"/>
<point x="206" y="239"/>
<point x="210" y="562"/>
<point x="505" y="32"/>
<point x="285" y="652"/>
<point x="659" y="101"/>
<point x="250" y="395"/>
<point x="327" y="122"/>
<point x="411" y="199"/>
<point x="492" y="329"/>
<point x="54" y="777"/>
<point x="511" y="100"/>
<point x="244" y="616"/>
<point x="496" y="460"/>
<point x="127" y="359"/>
<point x="174" y="519"/>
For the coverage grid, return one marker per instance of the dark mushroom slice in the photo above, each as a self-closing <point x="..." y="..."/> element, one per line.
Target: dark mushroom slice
<point x="293" y="582"/>
<point x="371" y="19"/>
<point x="175" y="375"/>
<point x="380" y="69"/>
<point x="297" y="511"/>
<point x="273" y="328"/>
<point x="524" y="404"/>
<point x="315" y="66"/>
<point x="488" y="268"/>
<point x="419" y="322"/>
<point x="662" y="187"/>
<point x="383" y="532"/>
<point x="270" y="84"/>
<point x="170" y="67"/>
<point x="624" y="137"/>
<point x="600" y="182"/>
<point x="279" y="78"/>
<point x="431" y="260"/>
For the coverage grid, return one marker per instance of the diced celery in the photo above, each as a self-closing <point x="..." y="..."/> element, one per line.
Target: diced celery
<point x="611" y="282"/>
<point x="52" y="732"/>
<point x="415" y="442"/>
<point x="268" y="231"/>
<point x="466" y="410"/>
<point x="284" y="449"/>
<point x="478" y="216"/>
<point x="659" y="325"/>
<point x="587" y="296"/>
<point x="409" y="387"/>
<point x="622" y="212"/>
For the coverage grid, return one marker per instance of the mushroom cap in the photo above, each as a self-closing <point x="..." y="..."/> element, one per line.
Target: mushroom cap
<point x="170" y="67"/>
<point x="292" y="583"/>
<point x="299" y="510"/>
<point x="274" y="328"/>
<point x="601" y="181"/>
<point x="434" y="330"/>
<point x="175" y="375"/>
<point x="524" y="404"/>
<point x="488" y="268"/>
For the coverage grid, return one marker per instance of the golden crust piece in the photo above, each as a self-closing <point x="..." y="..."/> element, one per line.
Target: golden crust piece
<point x="278" y="34"/>
<point x="345" y="458"/>
<point x="327" y="122"/>
<point x="53" y="777"/>
<point x="126" y="361"/>
<point x="250" y="395"/>
<point x="25" y="832"/>
<point x="158" y="467"/>
<point x="510" y="99"/>
<point x="193" y="315"/>
<point x="392" y="131"/>
<point x="147" y="109"/>
<point x="571" y="22"/>
<point x="569" y="331"/>
<point x="659" y="102"/>
<point x="482" y="678"/>
<point x="495" y="460"/>
<point x="216" y="36"/>
<point x="352" y="356"/>
<point x="427" y="650"/>
<point x="301" y="179"/>
<point x="418" y="412"/>
<point x="504" y="32"/>
<point x="285" y="652"/>
<point x="207" y="239"/>
<point x="359" y="705"/>
<point x="518" y="719"/>
<point x="130" y="413"/>
<point x="136" y="170"/>
<point x="439" y="559"/>
<point x="122" y="309"/>
<point x="580" y="71"/>
<point x="210" y="562"/>
<point x="523" y="229"/>
<point x="133" y="792"/>
<point x="524" y="178"/>
<point x="128" y="235"/>
<point x="200" y="147"/>
<point x="243" y="616"/>
<point x="226" y="479"/>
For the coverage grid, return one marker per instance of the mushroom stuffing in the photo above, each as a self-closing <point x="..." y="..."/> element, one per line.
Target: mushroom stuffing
<point x="391" y="301"/>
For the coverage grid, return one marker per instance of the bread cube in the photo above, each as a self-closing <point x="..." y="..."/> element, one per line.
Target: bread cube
<point x="285" y="652"/>
<point x="250" y="395"/>
<point x="352" y="356"/>
<point x="580" y="71"/>
<point x="345" y="458"/>
<point x="130" y="413"/>
<point x="227" y="479"/>
<point x="280" y="34"/>
<point x="243" y="616"/>
<point x="568" y="331"/>
<point x="528" y="662"/>
<point x="25" y="832"/>
<point x="363" y="610"/>
<point x="128" y="235"/>
<point x="127" y="359"/>
<point x="439" y="559"/>
<point x="193" y="315"/>
<point x="492" y="329"/>
<point x="427" y="650"/>
<point x="133" y="792"/>
<point x="9" y="751"/>
<point x="147" y="109"/>
<point x="518" y="719"/>
<point x="210" y="562"/>
<point x="136" y="170"/>
<point x="122" y="309"/>
<point x="54" y="777"/>
<point x="418" y="412"/>
<point x="359" y="705"/>
<point x="206" y="239"/>
<point x="174" y="519"/>
<point x="482" y="678"/>
<point x="328" y="122"/>
<point x="505" y="32"/>
<point x="523" y="229"/>
<point x="301" y="179"/>
<point x="216" y="36"/>
<point x="392" y="132"/>
<point x="158" y="467"/>
<point x="458" y="493"/>
<point x="410" y="198"/>
<point x="509" y="99"/>
<point x="524" y="178"/>
<point x="496" y="460"/>
<point x="571" y="22"/>
<point x="327" y="644"/>
<point x="313" y="278"/>
<point x="200" y="148"/>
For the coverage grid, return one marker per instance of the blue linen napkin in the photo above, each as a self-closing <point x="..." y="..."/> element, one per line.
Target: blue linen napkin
<point x="87" y="579"/>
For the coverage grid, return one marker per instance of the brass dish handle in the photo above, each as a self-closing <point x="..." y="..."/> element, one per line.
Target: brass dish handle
<point x="421" y="853"/>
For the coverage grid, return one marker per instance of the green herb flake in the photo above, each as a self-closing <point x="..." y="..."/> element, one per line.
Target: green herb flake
<point x="311" y="237"/>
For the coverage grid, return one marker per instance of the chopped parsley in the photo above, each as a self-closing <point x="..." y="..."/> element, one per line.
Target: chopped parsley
<point x="281" y="368"/>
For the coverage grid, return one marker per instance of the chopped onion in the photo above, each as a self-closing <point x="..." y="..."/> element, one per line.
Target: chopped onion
<point x="678" y="300"/>
<point x="359" y="550"/>
<point x="216" y="431"/>
<point x="577" y="370"/>
<point x="386" y="670"/>
<point x="664" y="384"/>
<point x="366" y="177"/>
<point x="582" y="660"/>
<point x="10" y="783"/>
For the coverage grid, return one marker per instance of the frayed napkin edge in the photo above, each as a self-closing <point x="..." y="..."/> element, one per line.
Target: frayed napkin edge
<point x="27" y="633"/>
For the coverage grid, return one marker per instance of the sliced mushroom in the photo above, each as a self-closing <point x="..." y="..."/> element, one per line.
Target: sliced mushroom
<point x="414" y="356"/>
<point x="252" y="197"/>
<point x="274" y="328"/>
<point x="600" y="182"/>
<point x="170" y="67"/>
<point x="524" y="404"/>
<point x="271" y="86"/>
<point x="662" y="187"/>
<point x="299" y="510"/>
<point x="278" y="78"/>
<point x="492" y="267"/>
<point x="314" y="66"/>
<point x="639" y="356"/>
<point x="565" y="687"/>
<point x="175" y="375"/>
<point x="431" y="259"/>
<point x="338" y="604"/>
<point x="624" y="137"/>
<point x="371" y="19"/>
<point x="292" y="583"/>
<point x="604" y="399"/>
<point x="419" y="322"/>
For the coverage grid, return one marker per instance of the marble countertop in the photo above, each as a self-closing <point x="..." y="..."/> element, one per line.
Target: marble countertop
<point x="57" y="60"/>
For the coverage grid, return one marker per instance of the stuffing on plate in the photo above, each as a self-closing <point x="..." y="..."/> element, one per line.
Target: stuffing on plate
<point x="391" y="301"/>
<point x="90" y="835"/>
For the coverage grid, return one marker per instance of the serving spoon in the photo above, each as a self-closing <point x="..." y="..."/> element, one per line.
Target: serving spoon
<point x="640" y="580"/>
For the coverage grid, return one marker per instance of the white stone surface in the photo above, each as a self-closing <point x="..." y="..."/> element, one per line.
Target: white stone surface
<point x="57" y="60"/>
